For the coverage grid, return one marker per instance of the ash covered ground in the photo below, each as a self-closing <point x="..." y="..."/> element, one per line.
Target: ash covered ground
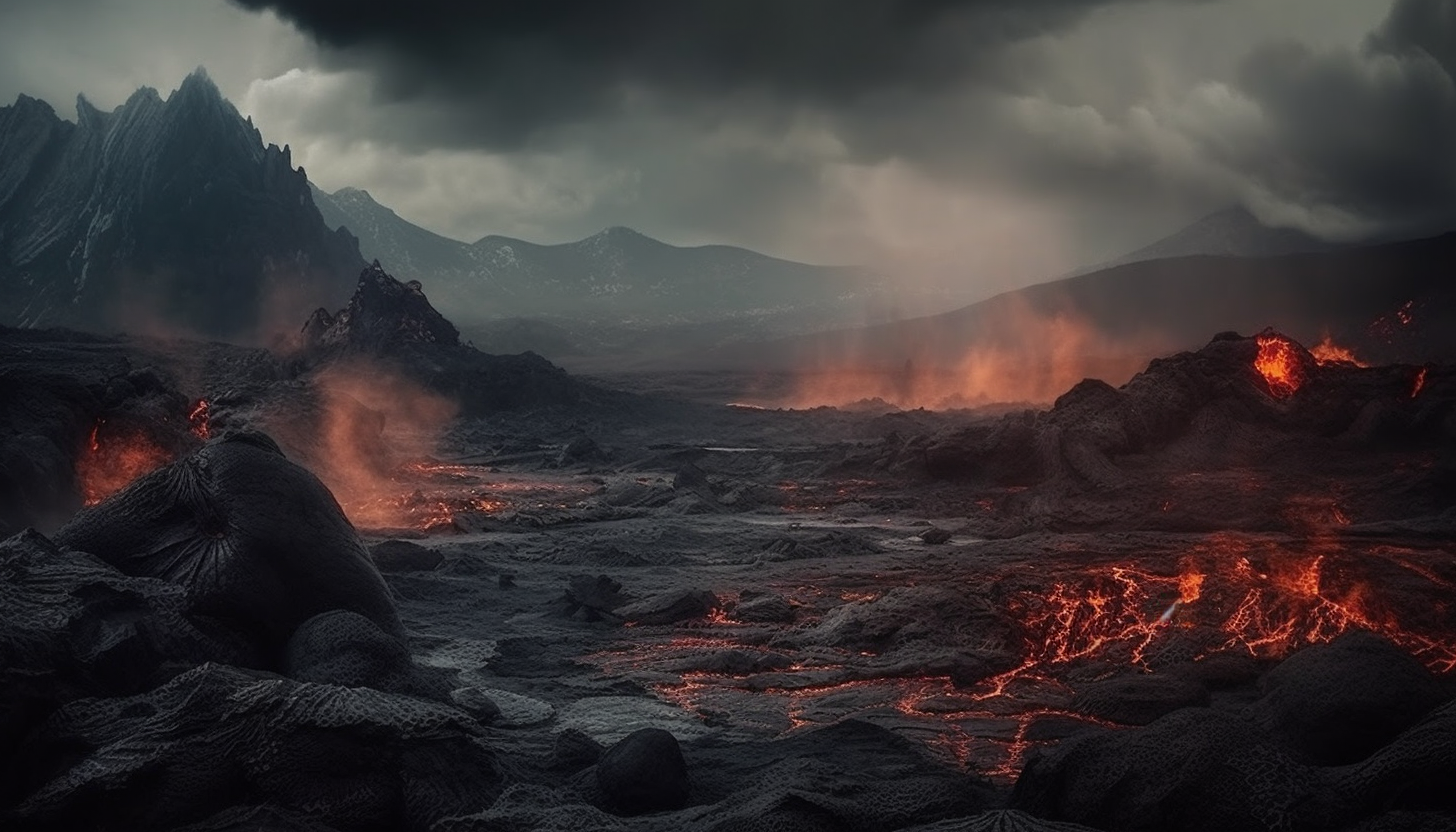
<point x="377" y="580"/>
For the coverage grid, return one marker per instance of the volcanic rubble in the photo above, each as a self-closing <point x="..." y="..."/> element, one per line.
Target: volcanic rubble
<point x="1216" y="598"/>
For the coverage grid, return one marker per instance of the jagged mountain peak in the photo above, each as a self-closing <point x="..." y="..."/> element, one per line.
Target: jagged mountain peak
<point x="383" y="314"/>
<point x="174" y="206"/>
<point x="143" y="94"/>
<point x="87" y="114"/>
<point x="27" y="105"/>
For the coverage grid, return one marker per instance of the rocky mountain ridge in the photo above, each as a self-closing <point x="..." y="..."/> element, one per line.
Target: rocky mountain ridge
<point x="164" y="215"/>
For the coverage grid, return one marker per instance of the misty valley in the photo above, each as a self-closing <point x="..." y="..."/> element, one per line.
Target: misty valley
<point x="313" y="519"/>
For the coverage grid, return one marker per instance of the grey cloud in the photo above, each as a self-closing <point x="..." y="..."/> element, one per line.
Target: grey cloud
<point x="1370" y="132"/>
<point x="508" y="70"/>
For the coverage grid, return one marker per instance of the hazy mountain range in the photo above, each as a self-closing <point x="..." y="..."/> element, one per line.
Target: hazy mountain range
<point x="617" y="276"/>
<point x="174" y="214"/>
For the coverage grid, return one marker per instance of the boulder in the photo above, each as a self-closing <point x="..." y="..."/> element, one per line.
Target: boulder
<point x="764" y="609"/>
<point x="257" y="542"/>
<point x="671" y="607"/>
<point x="644" y="772"/>
<point x="1138" y="699"/>
<point x="1339" y="702"/>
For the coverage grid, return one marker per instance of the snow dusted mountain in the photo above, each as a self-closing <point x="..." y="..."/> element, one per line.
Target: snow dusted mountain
<point x="163" y="214"/>
<point x="618" y="275"/>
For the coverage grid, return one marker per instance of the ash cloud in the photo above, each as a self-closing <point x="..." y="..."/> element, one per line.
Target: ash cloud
<point x="1360" y="141"/>
<point x="525" y="66"/>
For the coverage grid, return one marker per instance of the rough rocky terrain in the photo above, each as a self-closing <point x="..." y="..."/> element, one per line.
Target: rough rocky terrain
<point x="1217" y="598"/>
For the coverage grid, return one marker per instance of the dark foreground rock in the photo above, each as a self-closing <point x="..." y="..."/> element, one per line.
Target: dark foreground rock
<point x="404" y="556"/>
<point x="1358" y="702"/>
<point x="1138" y="699"/>
<point x="258" y="543"/>
<point x="670" y="607"/>
<point x="644" y="772"/>
<point x="353" y="758"/>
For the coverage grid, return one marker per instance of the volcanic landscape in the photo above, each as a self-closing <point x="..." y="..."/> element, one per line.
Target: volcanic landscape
<point x="376" y="579"/>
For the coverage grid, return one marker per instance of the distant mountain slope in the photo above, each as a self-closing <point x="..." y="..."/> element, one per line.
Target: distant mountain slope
<point x="163" y="214"/>
<point x="1233" y="232"/>
<point x="617" y="275"/>
<point x="1391" y="301"/>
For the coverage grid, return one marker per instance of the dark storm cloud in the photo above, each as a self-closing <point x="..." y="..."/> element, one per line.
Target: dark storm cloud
<point x="1370" y="132"/>
<point x="511" y="68"/>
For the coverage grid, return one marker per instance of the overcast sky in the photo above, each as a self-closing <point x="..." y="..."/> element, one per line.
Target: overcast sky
<point x="1003" y="140"/>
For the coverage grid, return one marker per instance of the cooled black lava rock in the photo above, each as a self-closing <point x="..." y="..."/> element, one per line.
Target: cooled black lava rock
<point x="1138" y="699"/>
<point x="217" y="737"/>
<point x="72" y="627"/>
<point x="592" y="597"/>
<point x="1339" y="702"/>
<point x="404" y="556"/>
<point x="473" y="701"/>
<point x="644" y="772"/>
<point x="573" y="750"/>
<point x="935" y="535"/>
<point x="258" y="543"/>
<point x="580" y="449"/>
<point x="1001" y="820"/>
<point x="764" y="609"/>
<point x="670" y="607"/>
<point x="1194" y="769"/>
<point x="345" y="648"/>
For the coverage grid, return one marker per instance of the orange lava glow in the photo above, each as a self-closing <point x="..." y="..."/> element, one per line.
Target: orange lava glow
<point x="113" y="458"/>
<point x="1019" y="355"/>
<point x="1419" y="383"/>
<point x="1278" y="363"/>
<point x="437" y="496"/>
<point x="198" y="418"/>
<point x="1328" y="352"/>
<point x="1228" y="593"/>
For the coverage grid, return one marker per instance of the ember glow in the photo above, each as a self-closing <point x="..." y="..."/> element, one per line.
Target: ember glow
<point x="112" y="458"/>
<point x="438" y="496"/>
<point x="1419" y="383"/>
<point x="1278" y="363"/>
<point x="1328" y="352"/>
<point x="199" y="420"/>
<point x="1227" y="594"/>
<point x="1025" y="355"/>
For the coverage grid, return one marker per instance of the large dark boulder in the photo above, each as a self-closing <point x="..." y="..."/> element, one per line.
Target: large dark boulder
<point x="258" y="543"/>
<point x="644" y="772"/>
<point x="1138" y="699"/>
<point x="1414" y="772"/>
<point x="340" y="647"/>
<point x="74" y="627"/>
<point x="1337" y="703"/>
<point x="1194" y="769"/>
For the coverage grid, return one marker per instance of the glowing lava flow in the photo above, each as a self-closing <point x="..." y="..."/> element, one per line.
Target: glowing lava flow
<point x="1278" y="363"/>
<point x="1419" y="383"/>
<point x="1229" y="593"/>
